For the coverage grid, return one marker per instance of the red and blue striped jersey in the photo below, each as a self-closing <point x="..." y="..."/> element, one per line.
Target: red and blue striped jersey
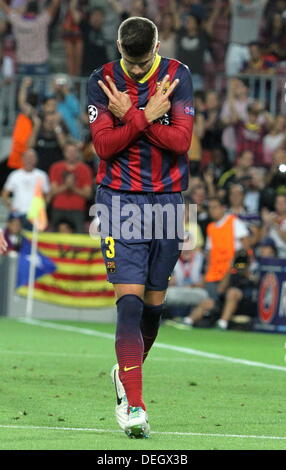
<point x="134" y="154"/>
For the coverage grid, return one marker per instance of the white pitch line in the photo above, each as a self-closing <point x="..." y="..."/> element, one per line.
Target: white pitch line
<point x="194" y="352"/>
<point x="113" y="431"/>
<point x="86" y="355"/>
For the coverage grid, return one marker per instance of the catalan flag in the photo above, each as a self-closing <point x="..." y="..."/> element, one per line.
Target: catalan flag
<point x="76" y="275"/>
<point x="37" y="213"/>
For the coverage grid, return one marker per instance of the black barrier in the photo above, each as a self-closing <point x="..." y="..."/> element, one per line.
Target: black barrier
<point x="271" y="303"/>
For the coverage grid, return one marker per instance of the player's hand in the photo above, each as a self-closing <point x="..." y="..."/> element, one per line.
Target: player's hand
<point x="3" y="243"/>
<point x="159" y="104"/>
<point x="119" y="102"/>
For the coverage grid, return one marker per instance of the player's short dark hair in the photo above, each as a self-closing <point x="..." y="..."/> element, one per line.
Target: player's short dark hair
<point x="137" y="36"/>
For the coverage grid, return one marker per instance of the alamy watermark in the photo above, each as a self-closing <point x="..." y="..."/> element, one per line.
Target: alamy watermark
<point x="145" y="222"/>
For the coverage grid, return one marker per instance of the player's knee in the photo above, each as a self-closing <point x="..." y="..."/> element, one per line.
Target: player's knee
<point x="129" y="308"/>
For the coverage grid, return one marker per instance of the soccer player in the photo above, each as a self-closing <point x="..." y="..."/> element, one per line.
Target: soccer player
<point x="141" y="118"/>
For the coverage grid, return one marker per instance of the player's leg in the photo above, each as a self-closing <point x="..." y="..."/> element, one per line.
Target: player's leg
<point x="129" y="344"/>
<point x="151" y="317"/>
<point x="164" y="253"/>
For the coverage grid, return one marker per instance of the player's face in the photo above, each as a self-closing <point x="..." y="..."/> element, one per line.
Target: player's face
<point x="138" y="67"/>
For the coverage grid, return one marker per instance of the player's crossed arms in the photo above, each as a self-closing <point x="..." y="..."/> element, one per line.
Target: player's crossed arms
<point x="120" y="102"/>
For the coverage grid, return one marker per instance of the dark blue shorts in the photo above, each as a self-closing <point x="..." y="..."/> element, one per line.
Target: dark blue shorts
<point x="137" y="253"/>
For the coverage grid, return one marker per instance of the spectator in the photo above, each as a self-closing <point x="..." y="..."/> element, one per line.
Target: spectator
<point x="219" y="164"/>
<point x="234" y="109"/>
<point x="276" y="178"/>
<point x="31" y="33"/>
<point x="258" y="62"/>
<point x="225" y="236"/>
<point x="21" y="183"/>
<point x="23" y="127"/>
<point x="71" y="187"/>
<point x="199" y="198"/>
<point x="236" y="196"/>
<point x="167" y="34"/>
<point x="95" y="49"/>
<point x="274" y="36"/>
<point x="250" y="133"/>
<point x="12" y="232"/>
<point x="267" y="248"/>
<point x="274" y="139"/>
<point x="72" y="36"/>
<point x="65" y="226"/>
<point x="213" y="125"/>
<point x="245" y="24"/>
<point x="239" y="172"/>
<point x="68" y="105"/>
<point x="254" y="189"/>
<point x="193" y="42"/>
<point x="48" y="138"/>
<point x="185" y="288"/>
<point x="274" y="224"/>
<point x="113" y="10"/>
<point x="145" y="8"/>
<point x="240" y="291"/>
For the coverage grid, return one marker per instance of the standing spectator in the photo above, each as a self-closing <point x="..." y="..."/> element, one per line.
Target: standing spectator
<point x="193" y="42"/>
<point x="23" y="127"/>
<point x="245" y="24"/>
<point x="167" y="35"/>
<point x="31" y="34"/>
<point x="95" y="48"/>
<point x="250" y="133"/>
<point x="143" y="8"/>
<point x="274" y="224"/>
<point x="71" y="182"/>
<point x="113" y="10"/>
<point x="72" y="37"/>
<point x="234" y="109"/>
<point x="274" y="139"/>
<point x="48" y="138"/>
<point x="68" y="106"/>
<point x="21" y="183"/>
<point x="213" y="125"/>
<point x="274" y="36"/>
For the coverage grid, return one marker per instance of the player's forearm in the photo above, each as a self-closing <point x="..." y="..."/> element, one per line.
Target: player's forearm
<point x="176" y="139"/>
<point x="109" y="141"/>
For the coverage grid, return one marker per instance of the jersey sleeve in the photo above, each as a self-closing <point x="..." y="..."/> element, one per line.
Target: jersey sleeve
<point x="177" y="137"/>
<point x="109" y="140"/>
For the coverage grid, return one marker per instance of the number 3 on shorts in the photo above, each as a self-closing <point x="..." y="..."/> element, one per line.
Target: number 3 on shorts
<point x="110" y="252"/>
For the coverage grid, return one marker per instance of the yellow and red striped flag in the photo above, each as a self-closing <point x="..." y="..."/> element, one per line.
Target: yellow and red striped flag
<point x="70" y="271"/>
<point x="37" y="212"/>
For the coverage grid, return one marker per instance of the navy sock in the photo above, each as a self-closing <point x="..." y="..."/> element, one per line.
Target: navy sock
<point x="150" y="324"/>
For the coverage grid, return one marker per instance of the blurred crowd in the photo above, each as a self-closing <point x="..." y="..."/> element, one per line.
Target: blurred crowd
<point x="238" y="152"/>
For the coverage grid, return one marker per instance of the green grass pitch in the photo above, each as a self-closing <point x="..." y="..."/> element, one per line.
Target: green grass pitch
<point x="56" y="392"/>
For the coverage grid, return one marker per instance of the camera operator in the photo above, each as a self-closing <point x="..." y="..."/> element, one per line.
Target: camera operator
<point x="240" y="288"/>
